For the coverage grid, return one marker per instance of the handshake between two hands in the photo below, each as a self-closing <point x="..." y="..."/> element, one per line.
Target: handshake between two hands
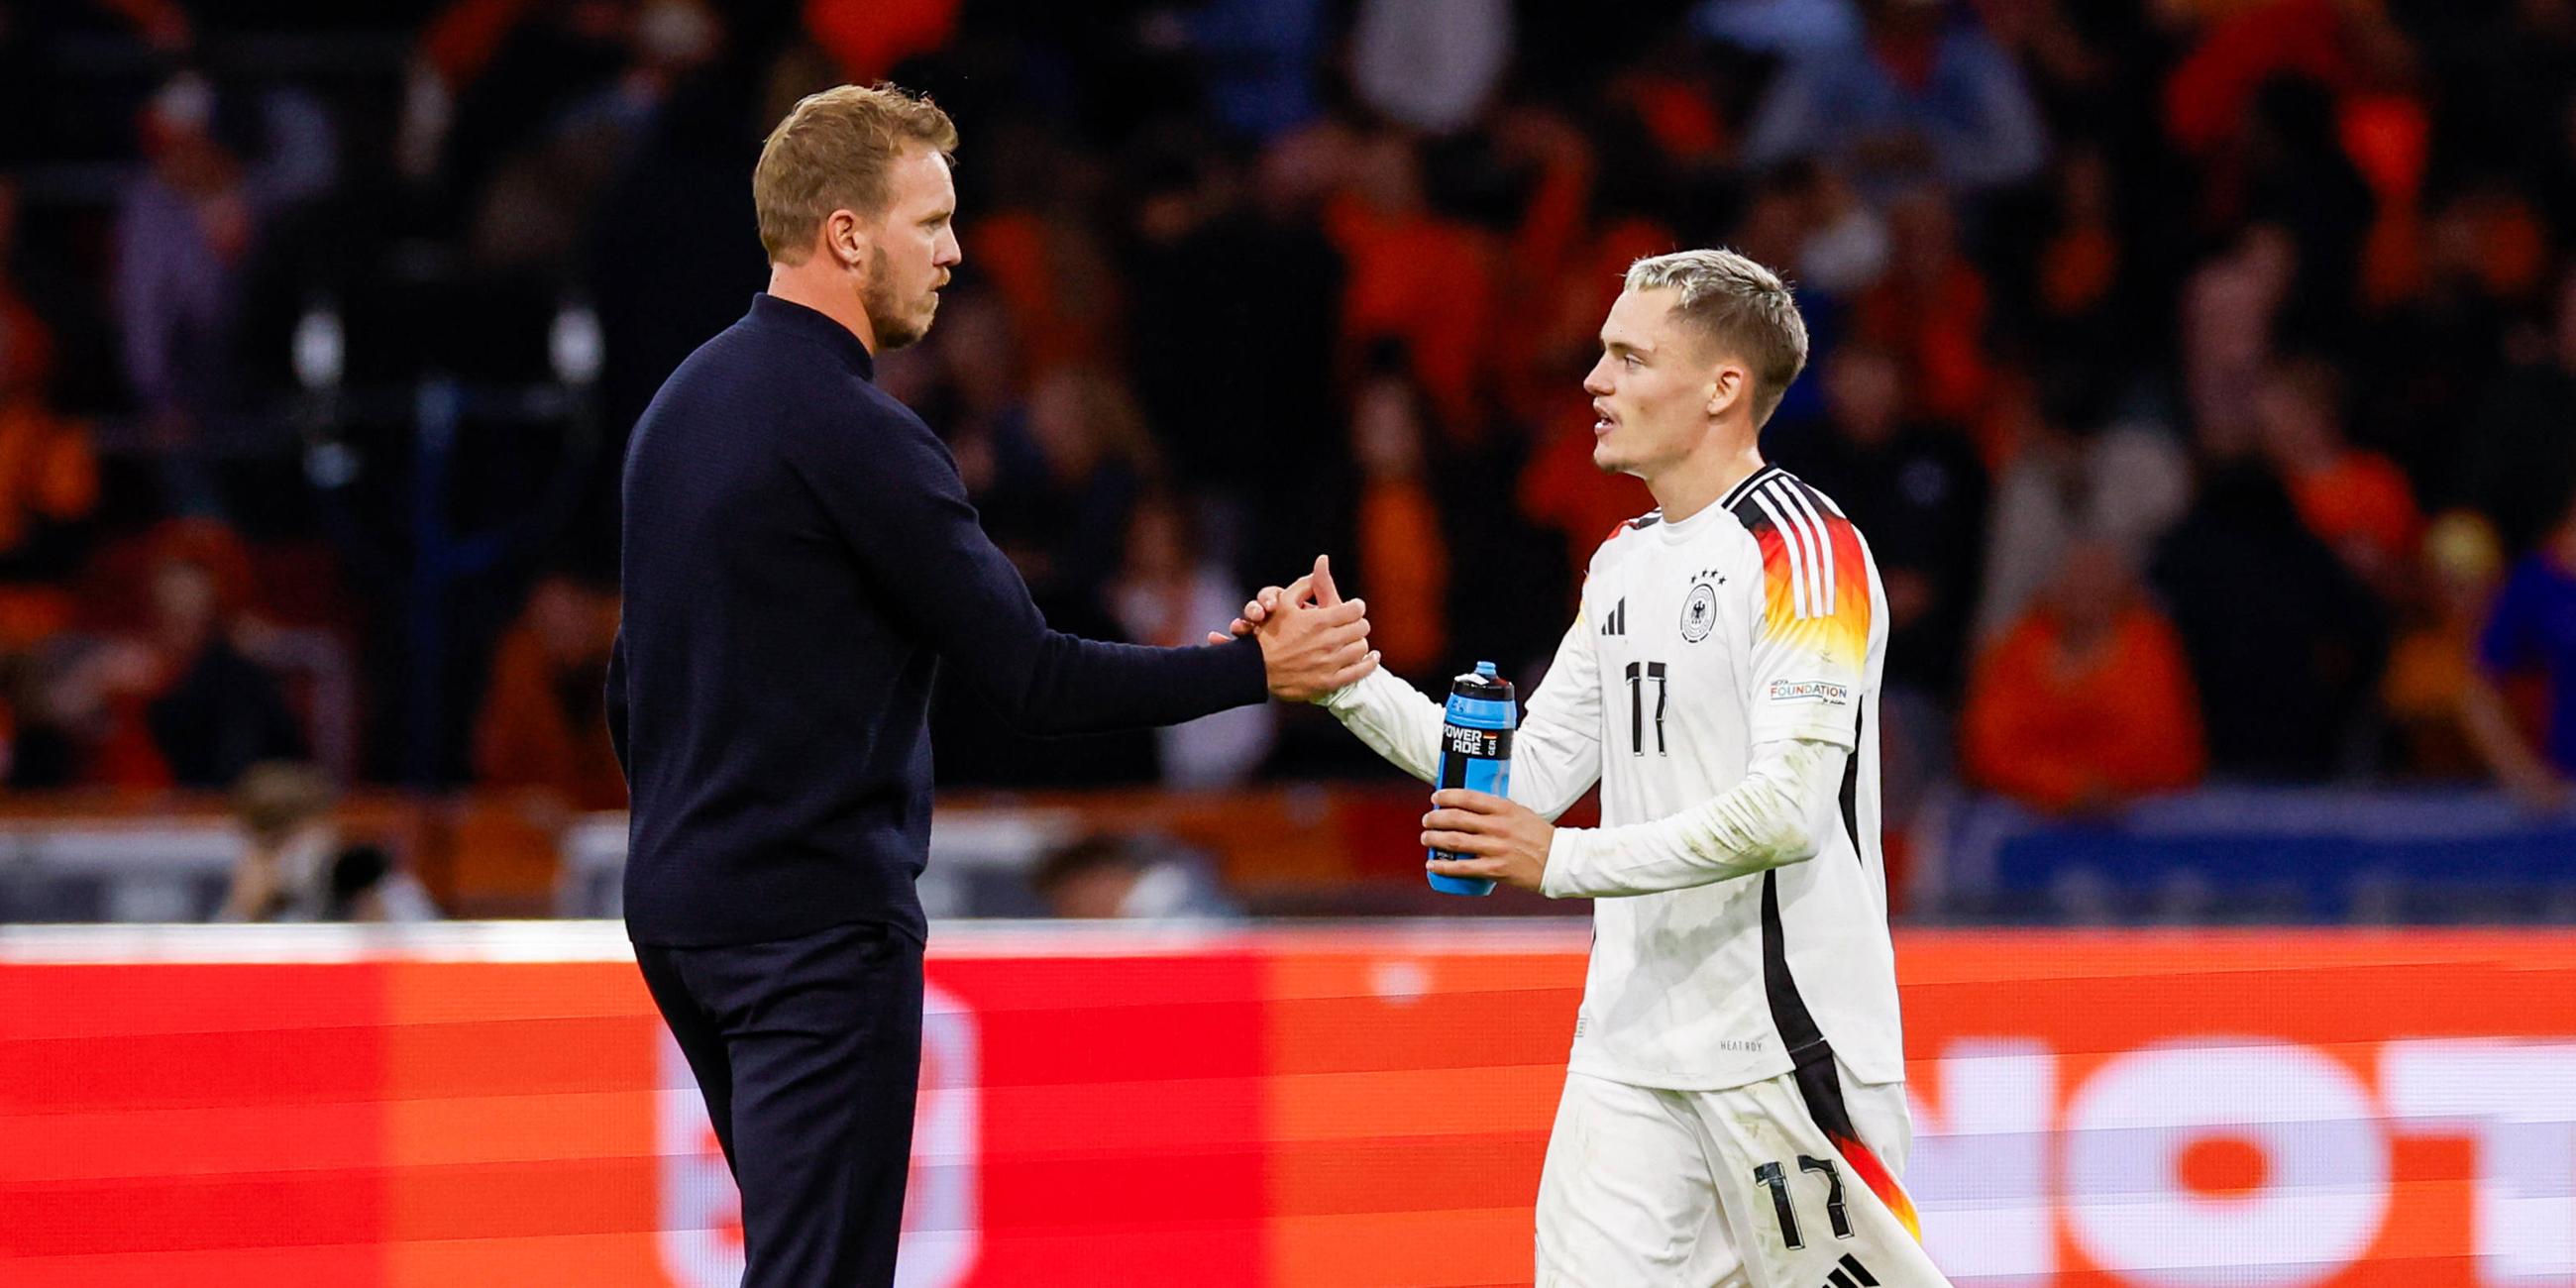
<point x="1314" y="642"/>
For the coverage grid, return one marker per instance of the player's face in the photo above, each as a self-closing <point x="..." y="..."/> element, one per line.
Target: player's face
<point x="1654" y="388"/>
<point x="914" y="250"/>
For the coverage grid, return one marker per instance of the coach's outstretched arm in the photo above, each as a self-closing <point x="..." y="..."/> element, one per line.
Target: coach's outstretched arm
<point x="901" y="509"/>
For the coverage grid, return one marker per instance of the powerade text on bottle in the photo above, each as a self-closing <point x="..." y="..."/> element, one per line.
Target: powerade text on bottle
<point x="1476" y="753"/>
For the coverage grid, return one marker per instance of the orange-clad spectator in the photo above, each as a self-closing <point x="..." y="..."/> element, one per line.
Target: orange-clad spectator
<point x="2080" y="263"/>
<point x="2496" y="237"/>
<point x="182" y="703"/>
<point x="1563" y="491"/>
<point x="78" y="716"/>
<point x="1679" y="113"/>
<point x="1404" y="559"/>
<point x="2357" y="502"/>
<point x="1556" y="220"/>
<point x="1415" y="277"/>
<point x="2087" y="702"/>
<point x="1931" y="308"/>
<point x="1552" y="242"/>
<point x="48" y="470"/>
<point x="1542" y="364"/>
<point x="2342" y="44"/>
<point x="2389" y="137"/>
<point x="542" y="723"/>
<point x="1052" y="280"/>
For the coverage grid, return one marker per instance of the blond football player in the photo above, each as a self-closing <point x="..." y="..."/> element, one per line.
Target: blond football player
<point x="1734" y="1110"/>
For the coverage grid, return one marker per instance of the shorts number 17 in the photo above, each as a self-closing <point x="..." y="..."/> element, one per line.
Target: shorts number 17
<point x="1776" y="1177"/>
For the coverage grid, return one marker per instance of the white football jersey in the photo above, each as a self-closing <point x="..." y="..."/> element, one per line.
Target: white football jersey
<point x="1759" y="619"/>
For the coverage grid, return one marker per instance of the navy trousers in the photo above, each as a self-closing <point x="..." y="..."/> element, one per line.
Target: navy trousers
<point x="808" y="1052"/>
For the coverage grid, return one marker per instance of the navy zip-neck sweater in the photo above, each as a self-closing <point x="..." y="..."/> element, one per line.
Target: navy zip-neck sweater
<point x="798" y="557"/>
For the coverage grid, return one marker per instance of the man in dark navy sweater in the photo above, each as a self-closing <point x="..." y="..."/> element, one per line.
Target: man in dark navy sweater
<point x="798" y="557"/>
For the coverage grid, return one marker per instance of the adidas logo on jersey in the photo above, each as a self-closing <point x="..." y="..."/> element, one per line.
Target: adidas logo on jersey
<point x="1617" y="622"/>
<point x="1852" y="1274"/>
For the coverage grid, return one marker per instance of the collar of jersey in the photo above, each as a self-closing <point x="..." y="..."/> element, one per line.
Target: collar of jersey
<point x="1676" y="531"/>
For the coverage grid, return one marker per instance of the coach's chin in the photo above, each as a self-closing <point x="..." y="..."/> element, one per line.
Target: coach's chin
<point x="899" y="303"/>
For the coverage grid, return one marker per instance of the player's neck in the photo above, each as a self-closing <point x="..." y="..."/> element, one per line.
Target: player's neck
<point x="1699" y="480"/>
<point x="819" y="286"/>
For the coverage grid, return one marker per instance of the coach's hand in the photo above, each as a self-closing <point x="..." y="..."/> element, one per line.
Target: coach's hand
<point x="1312" y="642"/>
<point x="1510" y="841"/>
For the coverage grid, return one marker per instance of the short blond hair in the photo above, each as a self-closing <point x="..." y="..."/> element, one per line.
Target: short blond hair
<point x="836" y="151"/>
<point x="1741" y="305"/>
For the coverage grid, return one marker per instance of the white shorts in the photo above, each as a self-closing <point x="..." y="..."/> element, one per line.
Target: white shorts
<point x="1763" y="1186"/>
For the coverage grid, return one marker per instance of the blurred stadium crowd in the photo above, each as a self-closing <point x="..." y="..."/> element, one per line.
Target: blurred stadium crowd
<point x="2203" y="372"/>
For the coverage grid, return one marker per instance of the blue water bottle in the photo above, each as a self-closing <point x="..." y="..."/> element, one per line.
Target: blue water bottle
<point x="1476" y="753"/>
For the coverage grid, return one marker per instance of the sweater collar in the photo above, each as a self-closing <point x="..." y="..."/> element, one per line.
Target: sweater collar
<point x="769" y="311"/>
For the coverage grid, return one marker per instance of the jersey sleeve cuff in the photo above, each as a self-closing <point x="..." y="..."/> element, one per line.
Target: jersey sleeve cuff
<point x="1566" y="854"/>
<point x="1354" y="695"/>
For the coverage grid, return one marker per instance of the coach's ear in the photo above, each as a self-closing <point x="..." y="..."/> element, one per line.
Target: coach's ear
<point x="845" y="239"/>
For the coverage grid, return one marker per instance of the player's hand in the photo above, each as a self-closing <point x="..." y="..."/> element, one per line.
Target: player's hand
<point x="1510" y="841"/>
<point x="1314" y="643"/>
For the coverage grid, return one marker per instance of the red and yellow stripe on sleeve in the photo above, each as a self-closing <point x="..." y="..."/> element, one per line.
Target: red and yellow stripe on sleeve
<point x="1815" y="574"/>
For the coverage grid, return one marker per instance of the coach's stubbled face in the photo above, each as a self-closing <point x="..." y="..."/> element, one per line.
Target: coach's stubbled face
<point x="915" y="249"/>
<point x="1655" y="386"/>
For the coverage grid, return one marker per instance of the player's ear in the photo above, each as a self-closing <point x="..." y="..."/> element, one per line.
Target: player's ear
<point x="1724" y="387"/>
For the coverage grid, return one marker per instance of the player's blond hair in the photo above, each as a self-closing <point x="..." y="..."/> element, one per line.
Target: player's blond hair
<point x="836" y="151"/>
<point x="1742" y="306"/>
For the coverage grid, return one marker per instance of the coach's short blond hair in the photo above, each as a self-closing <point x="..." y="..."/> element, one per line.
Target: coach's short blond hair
<point x="1742" y="306"/>
<point x="835" y="151"/>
